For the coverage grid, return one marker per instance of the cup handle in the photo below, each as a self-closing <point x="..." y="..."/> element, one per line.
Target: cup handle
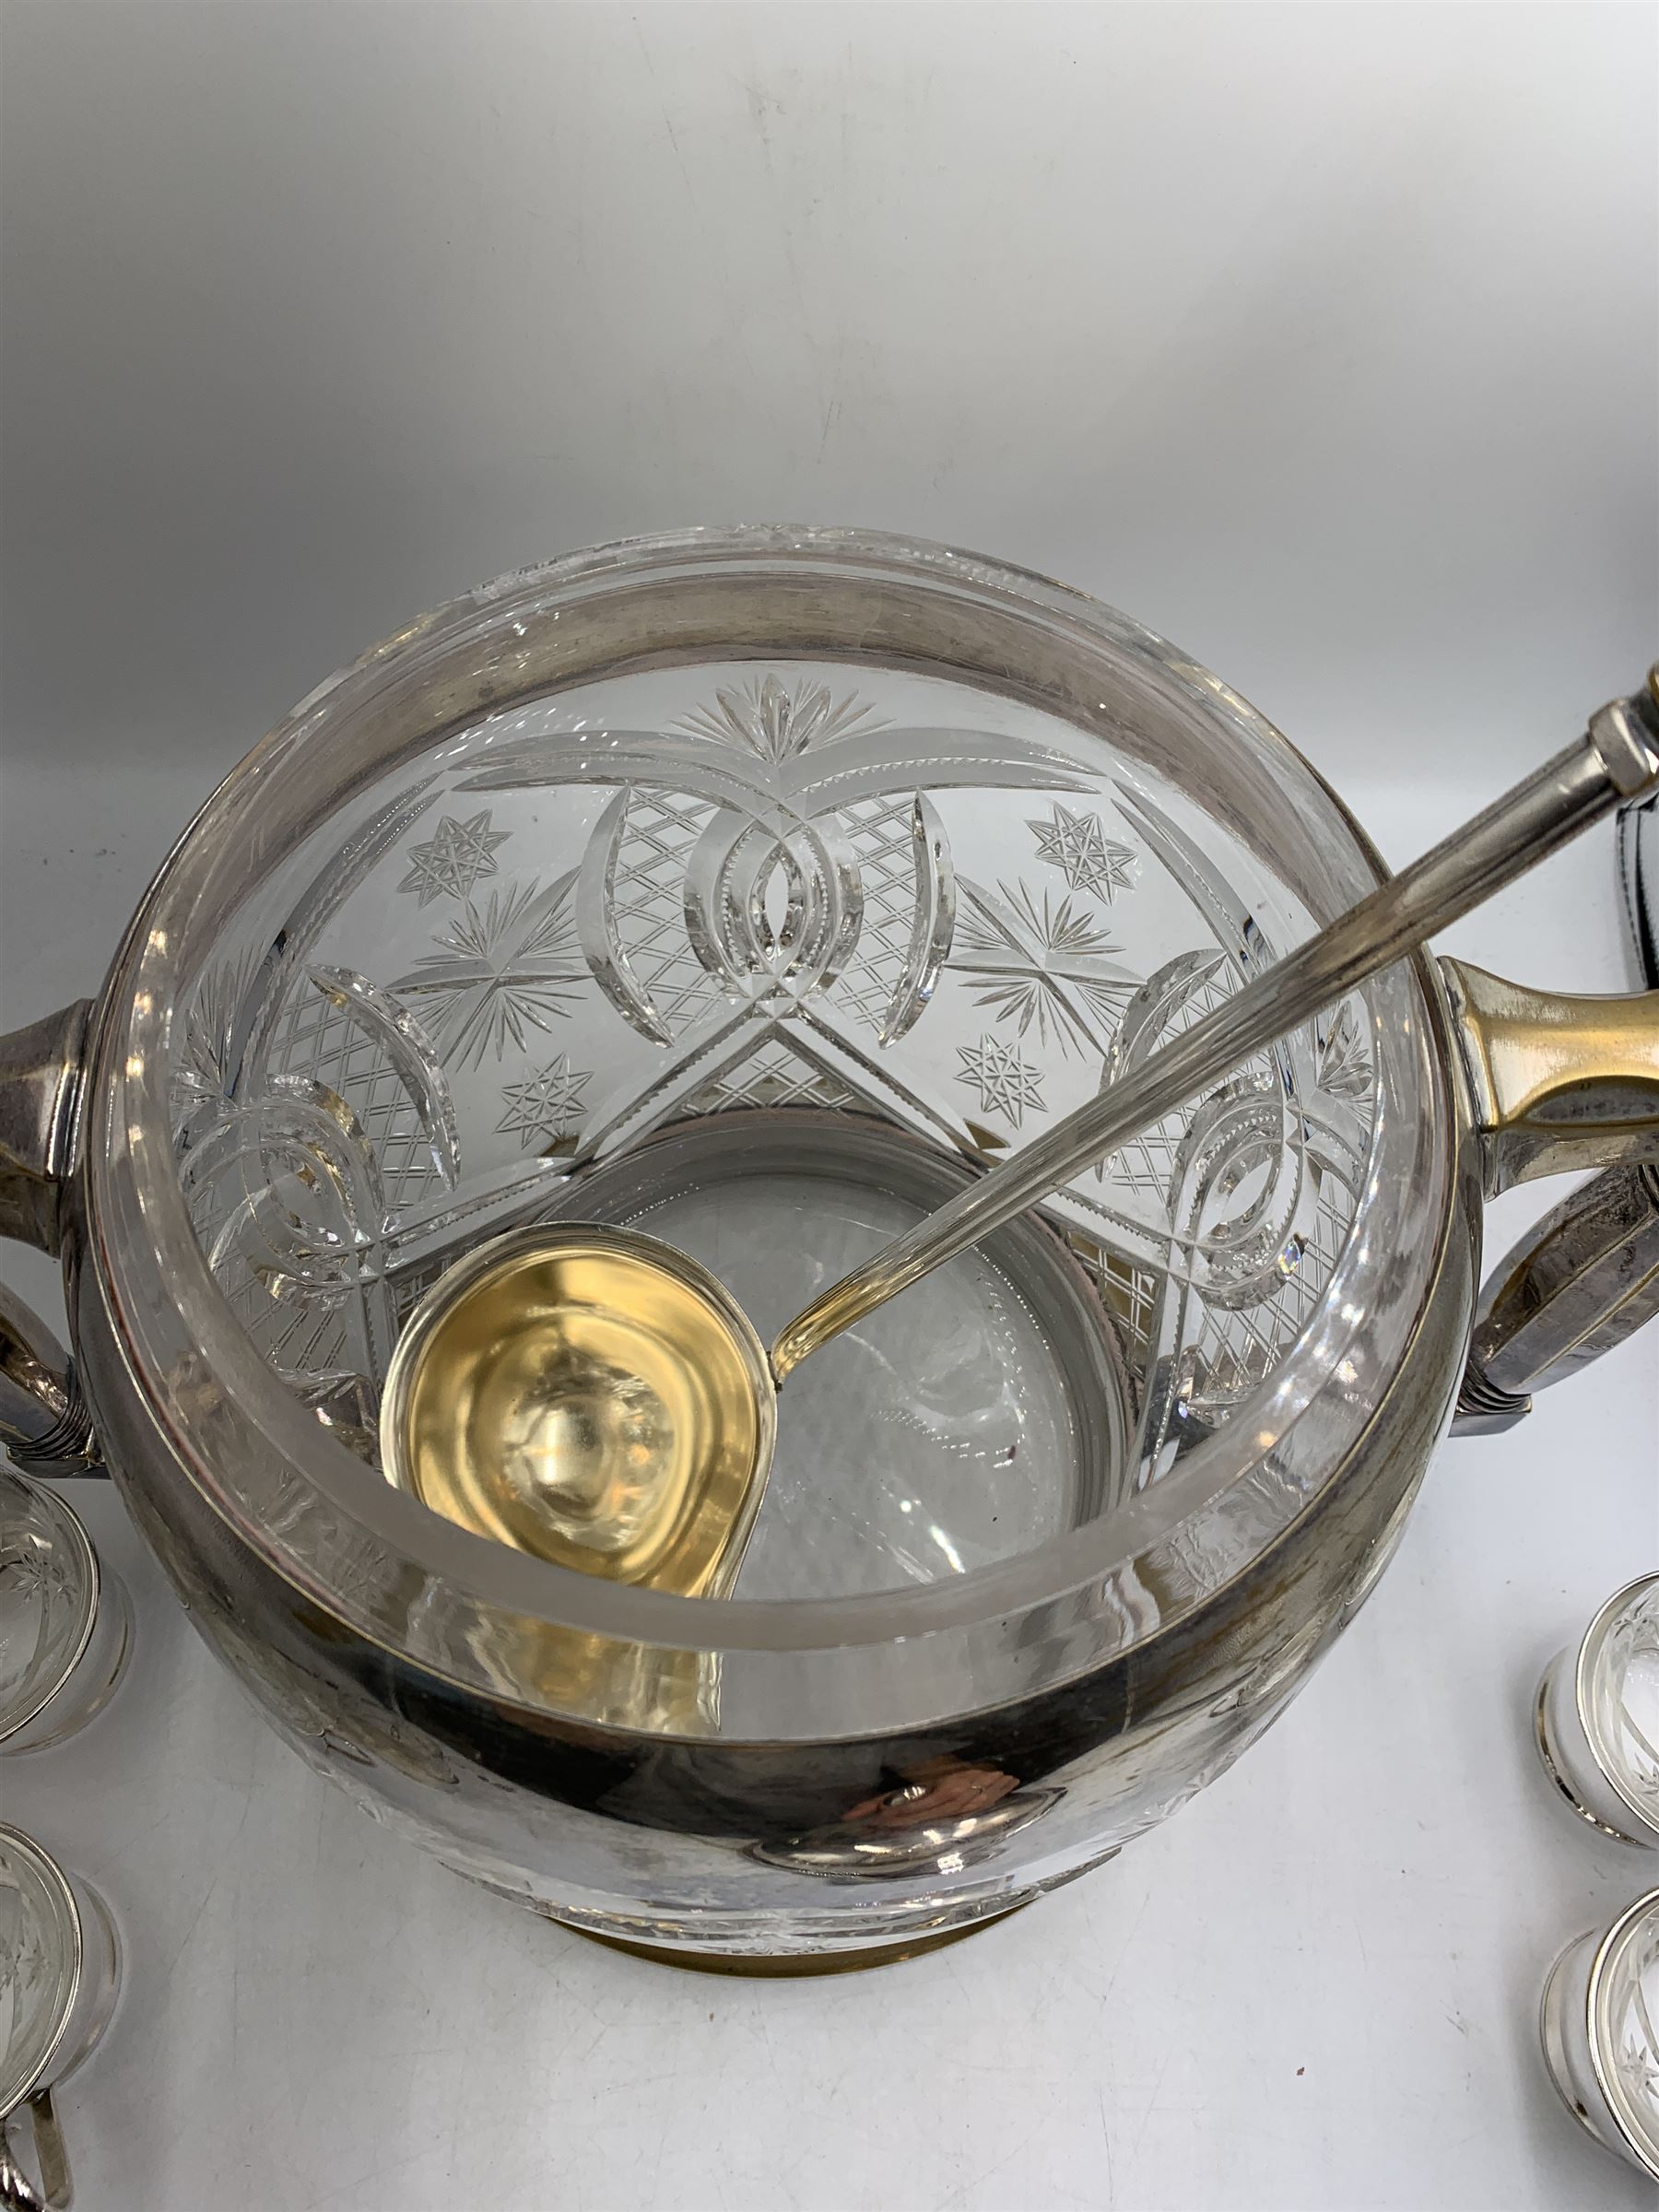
<point x="57" y="2191"/>
<point x="42" y="1422"/>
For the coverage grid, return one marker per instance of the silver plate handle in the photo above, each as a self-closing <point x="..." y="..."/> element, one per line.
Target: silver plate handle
<point x="42" y="1422"/>
<point x="40" y="1075"/>
<point x="1578" y="1283"/>
<point x="56" y="2192"/>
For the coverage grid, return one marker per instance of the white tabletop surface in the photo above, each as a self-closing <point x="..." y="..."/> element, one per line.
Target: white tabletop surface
<point x="1316" y="1987"/>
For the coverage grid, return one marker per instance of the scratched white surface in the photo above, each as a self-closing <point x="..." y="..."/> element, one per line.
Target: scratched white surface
<point x="1316" y="1987"/>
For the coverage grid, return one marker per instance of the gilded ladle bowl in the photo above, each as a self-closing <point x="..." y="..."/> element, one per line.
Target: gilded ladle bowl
<point x="589" y="1395"/>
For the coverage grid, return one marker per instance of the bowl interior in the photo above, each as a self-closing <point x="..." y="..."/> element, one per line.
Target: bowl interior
<point x="822" y="905"/>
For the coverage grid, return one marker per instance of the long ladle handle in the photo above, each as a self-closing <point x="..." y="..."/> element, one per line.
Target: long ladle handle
<point x="1614" y="762"/>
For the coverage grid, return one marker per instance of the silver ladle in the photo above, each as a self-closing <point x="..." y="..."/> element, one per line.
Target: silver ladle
<point x="592" y="1395"/>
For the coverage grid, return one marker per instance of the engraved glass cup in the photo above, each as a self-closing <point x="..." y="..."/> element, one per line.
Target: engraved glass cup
<point x="65" y="1626"/>
<point x="60" y="1974"/>
<point x="1600" y="2027"/>
<point x="1596" y="1717"/>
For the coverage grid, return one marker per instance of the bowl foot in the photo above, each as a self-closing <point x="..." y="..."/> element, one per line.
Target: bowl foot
<point x="794" y="1965"/>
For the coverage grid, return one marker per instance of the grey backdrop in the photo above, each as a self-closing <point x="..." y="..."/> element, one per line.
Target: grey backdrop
<point x="1324" y="339"/>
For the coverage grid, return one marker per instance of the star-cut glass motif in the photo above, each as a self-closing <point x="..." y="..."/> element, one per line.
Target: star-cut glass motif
<point x="450" y="863"/>
<point x="1085" y="855"/>
<point x="544" y="1105"/>
<point x="499" y="972"/>
<point x="1007" y="1083"/>
<point x="1047" y="968"/>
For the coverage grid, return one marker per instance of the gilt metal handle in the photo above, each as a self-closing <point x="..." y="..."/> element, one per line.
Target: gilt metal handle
<point x="1556" y="1082"/>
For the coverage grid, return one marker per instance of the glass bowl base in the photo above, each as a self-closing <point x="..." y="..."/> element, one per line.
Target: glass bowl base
<point x="781" y="1965"/>
<point x="983" y="1412"/>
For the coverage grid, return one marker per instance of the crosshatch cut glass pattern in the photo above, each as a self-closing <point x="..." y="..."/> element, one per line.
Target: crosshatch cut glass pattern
<point x="788" y="889"/>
